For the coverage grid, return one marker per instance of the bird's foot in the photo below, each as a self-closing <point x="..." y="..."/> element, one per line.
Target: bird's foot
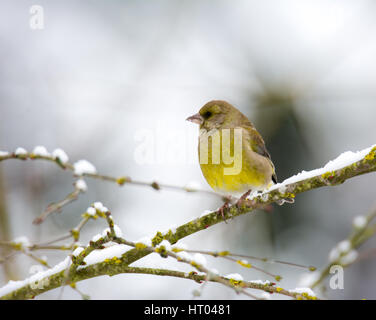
<point x="287" y="200"/>
<point x="243" y="199"/>
<point x="222" y="209"/>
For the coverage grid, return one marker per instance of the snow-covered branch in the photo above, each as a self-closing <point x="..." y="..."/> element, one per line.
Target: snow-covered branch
<point x="117" y="258"/>
<point x="104" y="256"/>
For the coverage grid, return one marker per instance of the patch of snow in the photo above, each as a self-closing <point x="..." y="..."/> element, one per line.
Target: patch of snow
<point x="83" y="166"/>
<point x="215" y="271"/>
<point x="60" y="153"/>
<point x="118" y="231"/>
<point x="345" y="159"/>
<point x="24" y="241"/>
<point x="184" y="255"/>
<point x="308" y="291"/>
<point x="145" y="240"/>
<point x="192" y="186"/>
<point x="261" y="282"/>
<point x="200" y="259"/>
<point x="20" y="152"/>
<point x="334" y="255"/>
<point x="349" y="258"/>
<point x="96" y="237"/>
<point x="97" y="256"/>
<point x="100" y="207"/>
<point x="166" y="244"/>
<point x="234" y="276"/>
<point x="41" y="151"/>
<point x="91" y="211"/>
<point x="77" y="251"/>
<point x="360" y="222"/>
<point x="80" y="185"/>
<point x="344" y="246"/>
<point x="105" y="231"/>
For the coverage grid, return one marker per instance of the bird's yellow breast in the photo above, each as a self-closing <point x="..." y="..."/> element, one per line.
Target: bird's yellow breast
<point x="255" y="170"/>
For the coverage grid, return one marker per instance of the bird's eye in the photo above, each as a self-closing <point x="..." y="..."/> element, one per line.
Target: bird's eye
<point x="207" y="114"/>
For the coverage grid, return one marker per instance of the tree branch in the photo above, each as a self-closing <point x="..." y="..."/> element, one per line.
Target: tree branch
<point x="112" y="269"/>
<point x="277" y="193"/>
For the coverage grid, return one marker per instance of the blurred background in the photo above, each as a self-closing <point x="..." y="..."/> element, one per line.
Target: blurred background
<point x="103" y="77"/>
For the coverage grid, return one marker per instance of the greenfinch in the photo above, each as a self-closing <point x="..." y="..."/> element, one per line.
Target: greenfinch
<point x="233" y="157"/>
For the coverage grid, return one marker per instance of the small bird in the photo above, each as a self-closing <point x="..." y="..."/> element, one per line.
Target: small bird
<point x="234" y="141"/>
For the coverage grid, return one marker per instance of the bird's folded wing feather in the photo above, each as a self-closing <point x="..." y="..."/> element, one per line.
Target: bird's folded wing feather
<point x="258" y="145"/>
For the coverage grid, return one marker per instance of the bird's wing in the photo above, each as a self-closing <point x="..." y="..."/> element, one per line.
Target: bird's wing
<point x="258" y="145"/>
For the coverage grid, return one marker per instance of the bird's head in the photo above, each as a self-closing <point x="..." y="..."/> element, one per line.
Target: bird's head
<point x="218" y="114"/>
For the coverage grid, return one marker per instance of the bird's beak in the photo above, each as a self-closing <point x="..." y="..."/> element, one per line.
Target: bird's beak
<point x="196" y="118"/>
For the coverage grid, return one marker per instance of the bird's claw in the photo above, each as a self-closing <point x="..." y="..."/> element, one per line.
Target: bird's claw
<point x="286" y="200"/>
<point x="222" y="209"/>
<point x="242" y="199"/>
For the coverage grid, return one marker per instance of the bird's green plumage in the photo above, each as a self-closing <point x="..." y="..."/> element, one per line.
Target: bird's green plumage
<point x="257" y="170"/>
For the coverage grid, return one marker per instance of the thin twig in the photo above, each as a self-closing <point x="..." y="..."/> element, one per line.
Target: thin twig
<point x="118" y="180"/>
<point x="54" y="207"/>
